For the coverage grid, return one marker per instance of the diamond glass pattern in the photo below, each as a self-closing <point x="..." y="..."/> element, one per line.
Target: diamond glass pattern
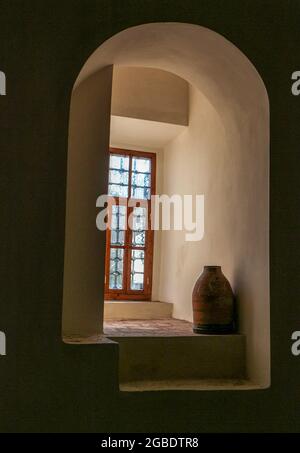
<point x="141" y="178"/>
<point x="139" y="219"/>
<point x="116" y="268"/>
<point x="118" y="175"/>
<point x="118" y="219"/>
<point x="137" y="270"/>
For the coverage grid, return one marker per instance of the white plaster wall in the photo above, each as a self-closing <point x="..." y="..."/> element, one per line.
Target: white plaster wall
<point x="223" y="159"/>
<point x="86" y="180"/>
<point x="149" y="94"/>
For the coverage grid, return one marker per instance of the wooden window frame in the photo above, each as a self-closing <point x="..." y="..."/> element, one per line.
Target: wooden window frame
<point x="127" y="293"/>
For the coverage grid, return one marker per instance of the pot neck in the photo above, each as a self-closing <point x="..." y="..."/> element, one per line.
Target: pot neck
<point x="212" y="268"/>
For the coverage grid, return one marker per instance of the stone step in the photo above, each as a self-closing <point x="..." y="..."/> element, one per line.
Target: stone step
<point x="180" y="358"/>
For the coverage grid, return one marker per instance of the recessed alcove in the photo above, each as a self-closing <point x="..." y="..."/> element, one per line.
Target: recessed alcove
<point x="218" y="145"/>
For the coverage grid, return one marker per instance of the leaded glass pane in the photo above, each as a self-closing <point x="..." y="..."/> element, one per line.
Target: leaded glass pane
<point x="118" y="175"/>
<point x="118" y="219"/>
<point x="141" y="193"/>
<point x="141" y="164"/>
<point x="119" y="162"/>
<point x="139" y="224"/>
<point x="116" y="269"/>
<point x="138" y="238"/>
<point x="141" y="178"/>
<point x="116" y="190"/>
<point x="137" y="270"/>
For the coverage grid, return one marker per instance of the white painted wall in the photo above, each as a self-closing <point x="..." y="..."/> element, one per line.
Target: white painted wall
<point x="86" y="180"/>
<point x="223" y="158"/>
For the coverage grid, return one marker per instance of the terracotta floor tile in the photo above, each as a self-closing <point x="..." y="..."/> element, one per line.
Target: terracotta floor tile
<point x="156" y="327"/>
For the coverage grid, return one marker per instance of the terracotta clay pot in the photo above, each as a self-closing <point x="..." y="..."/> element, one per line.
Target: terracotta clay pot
<point x="213" y="303"/>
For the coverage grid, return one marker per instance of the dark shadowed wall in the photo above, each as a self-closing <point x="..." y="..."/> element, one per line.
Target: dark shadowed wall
<point x="44" y="384"/>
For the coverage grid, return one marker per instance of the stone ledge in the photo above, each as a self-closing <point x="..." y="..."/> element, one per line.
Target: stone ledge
<point x="80" y="340"/>
<point x="189" y="385"/>
<point x="122" y="310"/>
<point x="165" y="354"/>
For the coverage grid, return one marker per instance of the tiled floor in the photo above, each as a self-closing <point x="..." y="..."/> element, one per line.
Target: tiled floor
<point x="148" y="328"/>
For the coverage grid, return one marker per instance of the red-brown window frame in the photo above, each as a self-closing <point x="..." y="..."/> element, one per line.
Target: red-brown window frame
<point x="145" y="294"/>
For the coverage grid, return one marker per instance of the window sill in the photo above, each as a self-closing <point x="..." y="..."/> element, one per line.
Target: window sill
<point x="121" y="310"/>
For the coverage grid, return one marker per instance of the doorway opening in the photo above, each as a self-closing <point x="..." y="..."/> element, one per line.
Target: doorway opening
<point x="129" y="238"/>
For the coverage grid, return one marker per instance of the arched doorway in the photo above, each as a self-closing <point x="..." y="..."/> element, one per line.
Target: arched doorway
<point x="231" y="105"/>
